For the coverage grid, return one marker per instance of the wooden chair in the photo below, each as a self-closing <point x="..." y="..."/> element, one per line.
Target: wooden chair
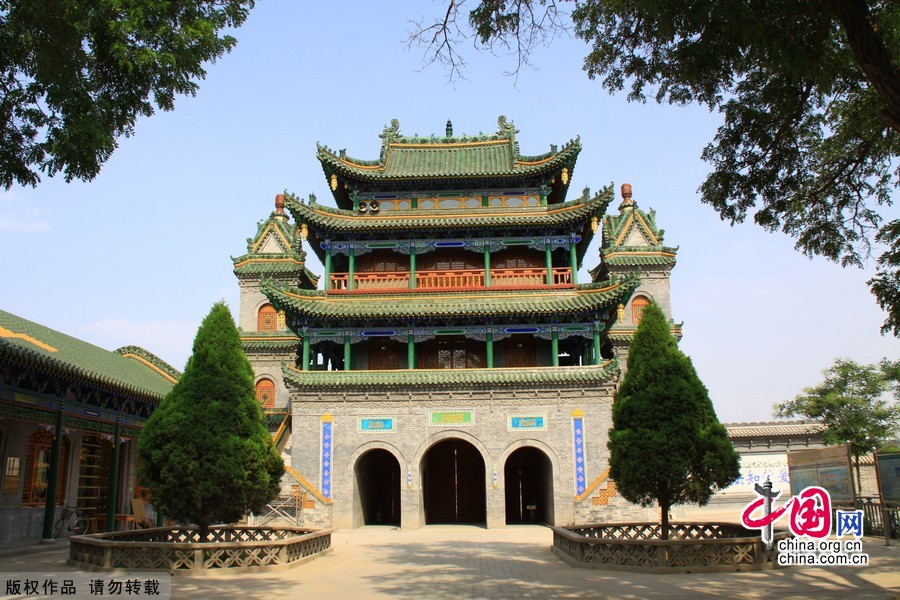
<point x="140" y="515"/>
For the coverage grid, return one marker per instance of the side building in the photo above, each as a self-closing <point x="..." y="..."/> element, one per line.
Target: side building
<point x="69" y="415"/>
<point x="453" y="369"/>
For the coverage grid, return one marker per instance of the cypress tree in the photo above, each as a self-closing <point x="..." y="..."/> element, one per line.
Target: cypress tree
<point x="205" y="453"/>
<point x="666" y="444"/>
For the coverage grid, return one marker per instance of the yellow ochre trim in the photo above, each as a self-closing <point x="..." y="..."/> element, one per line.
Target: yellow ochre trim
<point x="277" y="437"/>
<point x="450" y="145"/>
<point x="147" y="363"/>
<point x="367" y="298"/>
<point x="355" y="217"/>
<point x="491" y="369"/>
<point x="593" y="487"/>
<point x="577" y="413"/>
<point x="534" y="163"/>
<point x="282" y="338"/>
<point x="6" y="333"/>
<point x="269" y="260"/>
<point x="648" y="230"/>
<point x="647" y="253"/>
<point x="262" y="238"/>
<point x="625" y="229"/>
<point x="309" y="487"/>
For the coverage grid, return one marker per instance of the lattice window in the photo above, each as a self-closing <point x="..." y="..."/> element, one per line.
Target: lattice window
<point x="37" y="468"/>
<point x="637" y="308"/>
<point x="267" y="318"/>
<point x="265" y="393"/>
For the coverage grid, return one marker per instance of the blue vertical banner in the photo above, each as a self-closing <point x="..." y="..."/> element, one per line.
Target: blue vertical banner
<point x="327" y="443"/>
<point x="578" y="437"/>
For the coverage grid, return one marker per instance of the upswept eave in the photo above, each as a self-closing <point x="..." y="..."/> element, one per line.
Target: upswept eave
<point x="451" y="378"/>
<point x="582" y="299"/>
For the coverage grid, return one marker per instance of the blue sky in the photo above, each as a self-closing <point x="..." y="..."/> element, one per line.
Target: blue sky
<point x="139" y="255"/>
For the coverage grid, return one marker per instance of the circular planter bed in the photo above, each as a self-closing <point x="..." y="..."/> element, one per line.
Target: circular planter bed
<point x="178" y="550"/>
<point x="691" y="547"/>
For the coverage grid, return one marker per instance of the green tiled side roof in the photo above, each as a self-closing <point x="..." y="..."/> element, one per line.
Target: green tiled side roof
<point x="256" y="341"/>
<point x="291" y="262"/>
<point x="405" y="158"/>
<point x="141" y="355"/>
<point x="582" y="299"/>
<point x="56" y="354"/>
<point x="330" y="220"/>
<point x="451" y="378"/>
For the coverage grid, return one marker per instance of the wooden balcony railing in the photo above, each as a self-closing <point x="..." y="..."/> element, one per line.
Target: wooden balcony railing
<point x="460" y="279"/>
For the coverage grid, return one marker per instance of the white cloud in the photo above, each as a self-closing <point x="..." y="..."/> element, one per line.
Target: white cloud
<point x="169" y="340"/>
<point x="22" y="219"/>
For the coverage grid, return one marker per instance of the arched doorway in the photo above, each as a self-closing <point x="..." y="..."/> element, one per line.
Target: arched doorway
<point x="453" y="483"/>
<point x="377" y="499"/>
<point x="528" y="477"/>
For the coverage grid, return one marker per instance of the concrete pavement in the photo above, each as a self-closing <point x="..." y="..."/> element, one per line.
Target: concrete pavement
<point x="514" y="562"/>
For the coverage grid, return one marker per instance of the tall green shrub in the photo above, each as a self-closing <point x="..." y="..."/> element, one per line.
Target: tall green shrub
<point x="666" y="444"/>
<point x="206" y="454"/>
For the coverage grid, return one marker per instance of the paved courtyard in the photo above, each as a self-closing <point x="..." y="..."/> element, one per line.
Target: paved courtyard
<point x="515" y="562"/>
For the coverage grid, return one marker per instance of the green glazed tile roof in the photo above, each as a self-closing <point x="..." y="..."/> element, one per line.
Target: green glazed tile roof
<point x="56" y="354"/>
<point x="331" y="220"/>
<point x="582" y="299"/>
<point x="452" y="378"/>
<point x="268" y="340"/>
<point x="448" y="157"/>
<point x="290" y="260"/>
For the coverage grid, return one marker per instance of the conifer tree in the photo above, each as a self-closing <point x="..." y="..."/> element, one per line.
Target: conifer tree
<point x="206" y="454"/>
<point x="666" y="444"/>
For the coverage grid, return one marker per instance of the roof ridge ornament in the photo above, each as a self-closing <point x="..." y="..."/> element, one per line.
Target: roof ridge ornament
<point x="449" y="129"/>
<point x="627" y="202"/>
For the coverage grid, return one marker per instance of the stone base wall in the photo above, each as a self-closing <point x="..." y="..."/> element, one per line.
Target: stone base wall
<point x="496" y="422"/>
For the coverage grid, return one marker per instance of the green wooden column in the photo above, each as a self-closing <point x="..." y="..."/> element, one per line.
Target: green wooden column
<point x="348" y="364"/>
<point x="412" y="268"/>
<point x="490" y="349"/>
<point x="305" y="357"/>
<point x="596" y="343"/>
<point x="573" y="262"/>
<point x="113" y="494"/>
<point x="53" y="476"/>
<point x="327" y="266"/>
<point x="554" y="347"/>
<point x="410" y="351"/>
<point x="351" y="270"/>
<point x="548" y="257"/>
<point x="487" y="266"/>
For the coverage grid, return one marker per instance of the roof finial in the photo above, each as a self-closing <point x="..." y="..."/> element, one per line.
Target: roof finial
<point x="627" y="202"/>
<point x="279" y="206"/>
<point x="449" y="129"/>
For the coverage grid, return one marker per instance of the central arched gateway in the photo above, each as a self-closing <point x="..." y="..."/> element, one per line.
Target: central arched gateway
<point x="528" y="477"/>
<point x="377" y="500"/>
<point x="453" y="483"/>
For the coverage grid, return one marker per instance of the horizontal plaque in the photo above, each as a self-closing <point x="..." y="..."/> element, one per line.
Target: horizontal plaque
<point x="527" y="422"/>
<point x="375" y="425"/>
<point x="451" y="418"/>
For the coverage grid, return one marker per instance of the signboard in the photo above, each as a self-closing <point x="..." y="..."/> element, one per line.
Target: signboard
<point x="888" y="466"/>
<point x="828" y="468"/>
<point x="375" y="425"/>
<point x="451" y="418"/>
<point x="755" y="468"/>
<point x="526" y="423"/>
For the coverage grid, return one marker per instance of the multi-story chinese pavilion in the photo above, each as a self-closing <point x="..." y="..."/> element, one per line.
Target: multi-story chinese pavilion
<point x="453" y="368"/>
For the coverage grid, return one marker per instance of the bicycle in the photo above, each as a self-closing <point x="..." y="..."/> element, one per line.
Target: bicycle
<point x="72" y="520"/>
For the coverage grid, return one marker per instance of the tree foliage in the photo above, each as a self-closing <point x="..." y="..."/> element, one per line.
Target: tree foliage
<point x="76" y="74"/>
<point x="809" y="91"/>
<point x="852" y="403"/>
<point x="206" y="454"/>
<point x="666" y="444"/>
